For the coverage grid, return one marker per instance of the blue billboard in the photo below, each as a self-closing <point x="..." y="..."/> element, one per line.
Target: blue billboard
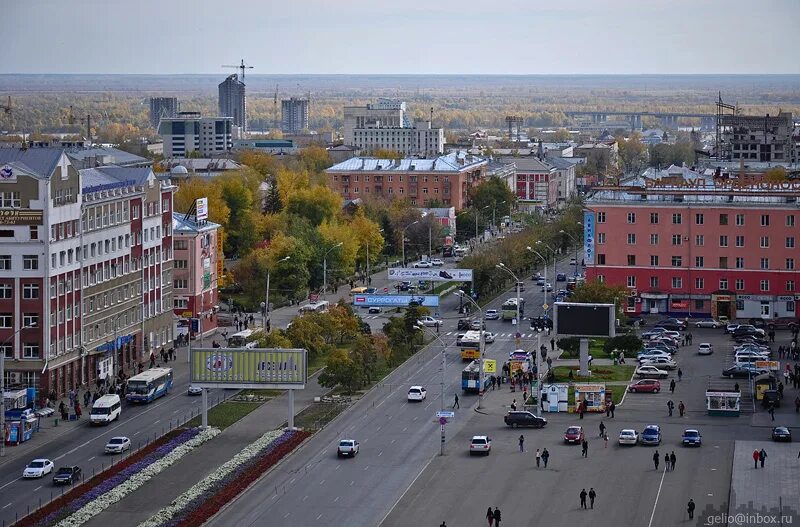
<point x="588" y="237"/>
<point x="395" y="300"/>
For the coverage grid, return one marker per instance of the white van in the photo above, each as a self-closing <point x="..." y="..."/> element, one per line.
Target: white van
<point x="106" y="409"/>
<point x="745" y="359"/>
<point x="314" y="307"/>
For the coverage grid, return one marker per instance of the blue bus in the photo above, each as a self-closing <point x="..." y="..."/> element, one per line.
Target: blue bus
<point x="149" y="385"/>
<point x="470" y="378"/>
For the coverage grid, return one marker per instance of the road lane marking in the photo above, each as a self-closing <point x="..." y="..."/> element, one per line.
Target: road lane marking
<point x="337" y="499"/>
<point x="59" y="457"/>
<point x="318" y="517"/>
<point x="415" y="418"/>
<point x="393" y="440"/>
<point x="321" y="482"/>
<point x="404" y="429"/>
<point x="367" y="467"/>
<point x="337" y="467"/>
<point x="380" y="453"/>
<point x="352" y="483"/>
<point x="429" y="405"/>
<point x="156" y="421"/>
<point x="137" y="433"/>
<point x="37" y="488"/>
<point x="7" y="505"/>
<point x="305" y="497"/>
<point x="9" y="483"/>
<point x="658" y="495"/>
<point x="287" y="515"/>
<point x="91" y="458"/>
<point x="292" y="481"/>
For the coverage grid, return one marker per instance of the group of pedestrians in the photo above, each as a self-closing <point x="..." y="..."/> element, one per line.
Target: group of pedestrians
<point x="669" y="460"/>
<point x="591" y="494"/>
<point x="671" y="407"/>
<point x="759" y="456"/>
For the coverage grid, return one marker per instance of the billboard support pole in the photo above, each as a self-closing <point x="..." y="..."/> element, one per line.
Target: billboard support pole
<point x="291" y="409"/>
<point x="205" y="408"/>
<point x="583" y="370"/>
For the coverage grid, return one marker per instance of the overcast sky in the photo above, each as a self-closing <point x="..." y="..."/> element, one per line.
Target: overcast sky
<point x="405" y="36"/>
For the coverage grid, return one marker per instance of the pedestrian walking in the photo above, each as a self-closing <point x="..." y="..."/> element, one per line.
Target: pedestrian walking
<point x="690" y="508"/>
<point x="756" y="456"/>
<point x="490" y="516"/>
<point x="583" y="495"/>
<point x="580" y="408"/>
<point x="78" y="416"/>
<point x="608" y="411"/>
<point x="552" y="344"/>
<point x="62" y="409"/>
<point x="672" y="460"/>
<point x="514" y="402"/>
<point x="762" y="456"/>
<point x="670" y="406"/>
<point x="602" y="429"/>
<point x="656" y="459"/>
<point x="613" y="407"/>
<point x="672" y="386"/>
<point x="666" y="461"/>
<point x="497" y="517"/>
<point x="585" y="448"/>
<point x="493" y="381"/>
<point x="521" y="443"/>
<point x="605" y="440"/>
<point x="592" y="496"/>
<point x="771" y="411"/>
<point x="545" y="457"/>
<point x="681" y="408"/>
<point x="455" y="403"/>
<point x="538" y="457"/>
<point x="797" y="404"/>
<point x="680" y="374"/>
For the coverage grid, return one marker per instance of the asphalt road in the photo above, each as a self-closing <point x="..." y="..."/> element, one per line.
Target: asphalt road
<point x="83" y="446"/>
<point x="397" y="441"/>
<point x="630" y="491"/>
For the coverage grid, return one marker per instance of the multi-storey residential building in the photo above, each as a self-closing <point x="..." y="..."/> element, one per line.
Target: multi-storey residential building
<point x="692" y="245"/>
<point x="198" y="269"/>
<point x="446" y="179"/>
<point x="71" y="271"/>
<point x="294" y="115"/>
<point x="233" y="100"/>
<point x="189" y="132"/>
<point x="541" y="182"/>
<point x="385" y="125"/>
<point x="162" y="107"/>
<point x="600" y="154"/>
<point x="758" y="138"/>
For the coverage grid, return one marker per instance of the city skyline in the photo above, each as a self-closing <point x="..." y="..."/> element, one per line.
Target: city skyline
<point x="364" y="38"/>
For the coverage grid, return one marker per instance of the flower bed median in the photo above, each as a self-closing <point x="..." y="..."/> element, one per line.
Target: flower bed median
<point x="206" y="498"/>
<point x="91" y="498"/>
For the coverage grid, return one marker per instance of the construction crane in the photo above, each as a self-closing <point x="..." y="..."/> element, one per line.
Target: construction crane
<point x="243" y="66"/>
<point x="6" y="107"/>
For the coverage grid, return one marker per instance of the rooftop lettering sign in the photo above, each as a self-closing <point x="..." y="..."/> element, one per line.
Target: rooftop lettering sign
<point x="727" y="184"/>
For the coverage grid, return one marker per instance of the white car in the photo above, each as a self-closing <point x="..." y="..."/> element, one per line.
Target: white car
<point x="437" y="262"/>
<point x="492" y="314"/>
<point x="429" y="322"/>
<point x="423" y="265"/>
<point x="573" y="261"/>
<point x="628" y="437"/>
<point x="651" y="372"/>
<point x="480" y="445"/>
<point x="488" y="337"/>
<point x="708" y="323"/>
<point x="373" y="310"/>
<point x="194" y="390"/>
<point x="459" y="338"/>
<point x="117" y="445"/>
<point x="417" y="393"/>
<point x="347" y="447"/>
<point x="652" y="354"/>
<point x="660" y="362"/>
<point x="38" y="468"/>
<point x="705" y="349"/>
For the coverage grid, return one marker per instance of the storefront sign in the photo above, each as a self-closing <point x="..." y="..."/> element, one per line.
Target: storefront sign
<point x="721" y="298"/>
<point x="21" y="217"/>
<point x="202" y="209"/>
<point x="679" y="304"/>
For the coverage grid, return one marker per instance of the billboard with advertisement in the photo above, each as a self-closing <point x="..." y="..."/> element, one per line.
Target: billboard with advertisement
<point x="399" y="274"/>
<point x="202" y="208"/>
<point x="395" y="300"/>
<point x="588" y="237"/>
<point x="257" y="368"/>
<point x="584" y="320"/>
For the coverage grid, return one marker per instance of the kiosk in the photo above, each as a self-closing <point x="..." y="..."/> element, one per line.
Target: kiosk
<point x="723" y="403"/>
<point x="764" y="382"/>
<point x="593" y="395"/>
<point x="555" y="398"/>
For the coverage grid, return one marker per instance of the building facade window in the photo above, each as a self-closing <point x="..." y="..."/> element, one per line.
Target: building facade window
<point x="654" y="260"/>
<point x="699" y="240"/>
<point x="631" y="238"/>
<point x="676" y="239"/>
<point x="739" y="241"/>
<point x="765" y="220"/>
<point x="631" y="217"/>
<point x="601" y="217"/>
<point x="740" y="220"/>
<point x="677" y="218"/>
<point x="677" y="261"/>
<point x="739" y="262"/>
<point x="764" y="263"/>
<point x="723" y="241"/>
<point x="764" y="285"/>
<point x="723" y="284"/>
<point x="699" y="283"/>
<point x="790" y="242"/>
<point x="654" y="282"/>
<point x="631" y="281"/>
<point x="723" y="219"/>
<point x="699" y="219"/>
<point x="601" y="237"/>
<point x="790" y="285"/>
<point x="677" y="282"/>
<point x="699" y="261"/>
<point x="654" y="239"/>
<point x="30" y="262"/>
<point x="6" y="291"/>
<point x="739" y="284"/>
<point x="654" y="218"/>
<point x="765" y="242"/>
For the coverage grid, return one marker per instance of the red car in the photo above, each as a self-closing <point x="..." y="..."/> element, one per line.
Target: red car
<point x="645" y="385"/>
<point x="574" y="434"/>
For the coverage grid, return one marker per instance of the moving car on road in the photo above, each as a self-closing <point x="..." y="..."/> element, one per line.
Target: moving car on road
<point x="347" y="447"/>
<point x="488" y="337"/>
<point x="194" y="390"/>
<point x="705" y="349"/>
<point x="691" y="437"/>
<point x="651" y="372"/>
<point x="423" y="264"/>
<point x="480" y="445"/>
<point x="117" y="445"/>
<point x="374" y="310"/>
<point x="492" y="314"/>
<point x="573" y="434"/>
<point x="518" y="418"/>
<point x="38" y="468"/>
<point x="436" y="262"/>
<point x="430" y="321"/>
<point x="67" y="475"/>
<point x="561" y="277"/>
<point x="628" y="436"/>
<point x="781" y="433"/>
<point x="645" y="385"/>
<point x="464" y="324"/>
<point x="651" y="435"/>
<point x="417" y="393"/>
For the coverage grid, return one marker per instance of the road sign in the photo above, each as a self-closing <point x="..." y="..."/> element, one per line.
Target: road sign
<point x="444" y="414"/>
<point x="385" y="289"/>
<point x="443" y="421"/>
<point x="545" y="307"/>
<point x="489" y="366"/>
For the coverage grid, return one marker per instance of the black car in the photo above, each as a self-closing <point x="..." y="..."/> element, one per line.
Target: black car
<point x="561" y="277"/>
<point x="67" y="475"/>
<point x="464" y="324"/>
<point x="771" y="398"/>
<point x="741" y="372"/>
<point x="636" y="321"/>
<point x="518" y="418"/>
<point x="669" y="326"/>
<point x="781" y="433"/>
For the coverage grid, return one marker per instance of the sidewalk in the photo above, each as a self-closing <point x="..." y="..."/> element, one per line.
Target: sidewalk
<point x="177" y="479"/>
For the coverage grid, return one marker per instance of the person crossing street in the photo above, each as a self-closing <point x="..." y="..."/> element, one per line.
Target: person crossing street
<point x="455" y="403"/>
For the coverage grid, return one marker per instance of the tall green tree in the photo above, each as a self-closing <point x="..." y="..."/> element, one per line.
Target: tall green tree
<point x="272" y="201"/>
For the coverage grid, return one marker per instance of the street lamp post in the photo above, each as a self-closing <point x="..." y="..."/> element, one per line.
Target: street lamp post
<point x="555" y="265"/>
<point x="575" y="242"/>
<point x="494" y="210"/>
<point x="481" y="348"/>
<point x="422" y="327"/>
<point x="3" y="389"/>
<point x="266" y="300"/>
<point x="404" y="239"/>
<point x="325" y="268"/>
<point x="503" y="266"/>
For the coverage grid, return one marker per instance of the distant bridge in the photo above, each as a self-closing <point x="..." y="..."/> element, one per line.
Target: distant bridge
<point x="707" y="121"/>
